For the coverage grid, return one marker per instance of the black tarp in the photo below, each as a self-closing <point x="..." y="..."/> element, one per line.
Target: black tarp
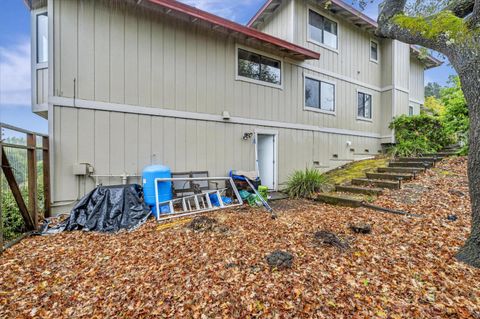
<point x="106" y="209"/>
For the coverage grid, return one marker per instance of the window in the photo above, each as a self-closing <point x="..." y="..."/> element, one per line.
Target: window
<point x="364" y="105"/>
<point x="258" y="67"/>
<point x="322" y="30"/>
<point x="410" y="110"/>
<point x="373" y="51"/>
<point x="319" y="95"/>
<point x="42" y="38"/>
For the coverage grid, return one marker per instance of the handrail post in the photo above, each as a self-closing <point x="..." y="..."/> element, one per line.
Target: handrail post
<point x="46" y="175"/>
<point x="32" y="178"/>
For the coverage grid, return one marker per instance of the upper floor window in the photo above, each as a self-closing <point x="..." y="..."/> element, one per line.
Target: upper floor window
<point x="322" y="30"/>
<point x="373" y="51"/>
<point x="319" y="95"/>
<point x="257" y="67"/>
<point x="364" y="105"/>
<point x="42" y="38"/>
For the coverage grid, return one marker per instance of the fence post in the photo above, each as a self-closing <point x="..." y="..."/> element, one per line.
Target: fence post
<point x="46" y="175"/>
<point x="32" y="177"/>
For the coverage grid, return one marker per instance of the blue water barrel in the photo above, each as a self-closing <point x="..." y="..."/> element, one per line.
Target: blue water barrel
<point x="149" y="174"/>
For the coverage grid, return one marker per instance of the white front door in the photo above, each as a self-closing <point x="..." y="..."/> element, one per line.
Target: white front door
<point x="266" y="159"/>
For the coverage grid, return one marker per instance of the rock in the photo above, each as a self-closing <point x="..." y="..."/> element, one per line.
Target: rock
<point x="328" y="238"/>
<point x="202" y="223"/>
<point x="452" y="218"/>
<point x="280" y="259"/>
<point x="361" y="228"/>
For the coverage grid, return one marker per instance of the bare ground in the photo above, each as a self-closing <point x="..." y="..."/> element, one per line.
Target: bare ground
<point x="404" y="269"/>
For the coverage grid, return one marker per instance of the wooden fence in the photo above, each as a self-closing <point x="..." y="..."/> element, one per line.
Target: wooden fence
<point x="36" y="147"/>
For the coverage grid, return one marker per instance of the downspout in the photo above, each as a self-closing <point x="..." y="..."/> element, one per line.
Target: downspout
<point x="394" y="86"/>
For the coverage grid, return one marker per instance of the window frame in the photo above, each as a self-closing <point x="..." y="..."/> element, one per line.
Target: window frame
<point x="325" y="16"/>
<point x="363" y="118"/>
<point x="42" y="64"/>
<point x="412" y="108"/>
<point x="319" y="110"/>
<point x="370" y="50"/>
<point x="258" y="82"/>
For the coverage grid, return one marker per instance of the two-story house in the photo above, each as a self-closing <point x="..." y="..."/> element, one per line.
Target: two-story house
<point x="128" y="83"/>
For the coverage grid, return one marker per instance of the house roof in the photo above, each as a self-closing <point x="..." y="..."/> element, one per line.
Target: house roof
<point x="339" y="8"/>
<point x="253" y="36"/>
<point x="429" y="61"/>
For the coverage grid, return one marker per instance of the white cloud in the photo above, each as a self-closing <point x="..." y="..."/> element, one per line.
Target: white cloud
<point x="15" y="74"/>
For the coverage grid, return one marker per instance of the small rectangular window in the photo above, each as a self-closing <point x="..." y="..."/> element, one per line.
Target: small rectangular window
<point x="319" y="95"/>
<point x="42" y="38"/>
<point x="410" y="110"/>
<point x="364" y="105"/>
<point x="322" y="30"/>
<point x="374" y="51"/>
<point x="258" y="67"/>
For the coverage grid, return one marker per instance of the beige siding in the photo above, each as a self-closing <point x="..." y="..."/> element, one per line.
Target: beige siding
<point x="352" y="59"/>
<point x="417" y="86"/>
<point x="136" y="59"/>
<point x="115" y="143"/>
<point x="41" y="93"/>
<point x="401" y="65"/>
<point x="280" y="24"/>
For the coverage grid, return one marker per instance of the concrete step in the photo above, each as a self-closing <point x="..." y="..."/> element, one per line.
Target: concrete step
<point x="417" y="159"/>
<point x="390" y="176"/>
<point x="338" y="200"/>
<point x="358" y="190"/>
<point x="376" y="183"/>
<point x="401" y="170"/>
<point x="409" y="164"/>
<point x="444" y="154"/>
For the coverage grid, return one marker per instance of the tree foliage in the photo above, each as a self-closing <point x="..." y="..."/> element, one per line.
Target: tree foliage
<point x="433" y="89"/>
<point x="418" y="134"/>
<point x="455" y="114"/>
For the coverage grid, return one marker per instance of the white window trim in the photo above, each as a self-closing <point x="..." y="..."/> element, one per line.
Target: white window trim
<point x="328" y="16"/>
<point x="314" y="109"/>
<point x="361" y="118"/>
<point x="413" y="110"/>
<point x="370" y="50"/>
<point x="35" y="66"/>
<point x="258" y="131"/>
<point x="258" y="82"/>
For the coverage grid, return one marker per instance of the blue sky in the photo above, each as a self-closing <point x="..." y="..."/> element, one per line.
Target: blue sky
<point x="15" y="54"/>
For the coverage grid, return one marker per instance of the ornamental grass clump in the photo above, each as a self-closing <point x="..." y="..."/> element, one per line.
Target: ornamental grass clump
<point x="305" y="183"/>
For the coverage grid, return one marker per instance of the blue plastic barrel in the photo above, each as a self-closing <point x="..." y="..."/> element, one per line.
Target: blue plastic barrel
<point x="149" y="174"/>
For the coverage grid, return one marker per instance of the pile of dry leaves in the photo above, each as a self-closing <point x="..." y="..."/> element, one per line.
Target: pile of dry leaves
<point x="405" y="268"/>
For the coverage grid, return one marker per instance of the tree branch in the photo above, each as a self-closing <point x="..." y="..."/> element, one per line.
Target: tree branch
<point x="473" y="21"/>
<point x="461" y="8"/>
<point x="387" y="28"/>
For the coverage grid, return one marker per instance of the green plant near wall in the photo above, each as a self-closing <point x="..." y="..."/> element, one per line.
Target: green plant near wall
<point x="455" y="115"/>
<point x="305" y="183"/>
<point x="418" y="134"/>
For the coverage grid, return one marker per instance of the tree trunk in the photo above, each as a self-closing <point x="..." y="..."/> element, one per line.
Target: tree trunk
<point x="470" y="77"/>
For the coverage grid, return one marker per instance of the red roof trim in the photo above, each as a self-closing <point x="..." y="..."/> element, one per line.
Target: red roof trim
<point x="230" y="25"/>
<point x="259" y="12"/>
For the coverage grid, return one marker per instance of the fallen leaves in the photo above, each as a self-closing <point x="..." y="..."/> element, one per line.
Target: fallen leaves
<point x="406" y="267"/>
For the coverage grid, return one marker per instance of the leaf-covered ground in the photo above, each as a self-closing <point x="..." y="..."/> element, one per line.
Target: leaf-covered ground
<point x="404" y="269"/>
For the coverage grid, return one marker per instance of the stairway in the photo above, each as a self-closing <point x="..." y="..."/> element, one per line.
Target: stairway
<point x="398" y="170"/>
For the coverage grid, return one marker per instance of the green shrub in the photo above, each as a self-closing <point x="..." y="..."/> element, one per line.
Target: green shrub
<point x="418" y="134"/>
<point x="13" y="224"/>
<point x="455" y="115"/>
<point x="305" y="183"/>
